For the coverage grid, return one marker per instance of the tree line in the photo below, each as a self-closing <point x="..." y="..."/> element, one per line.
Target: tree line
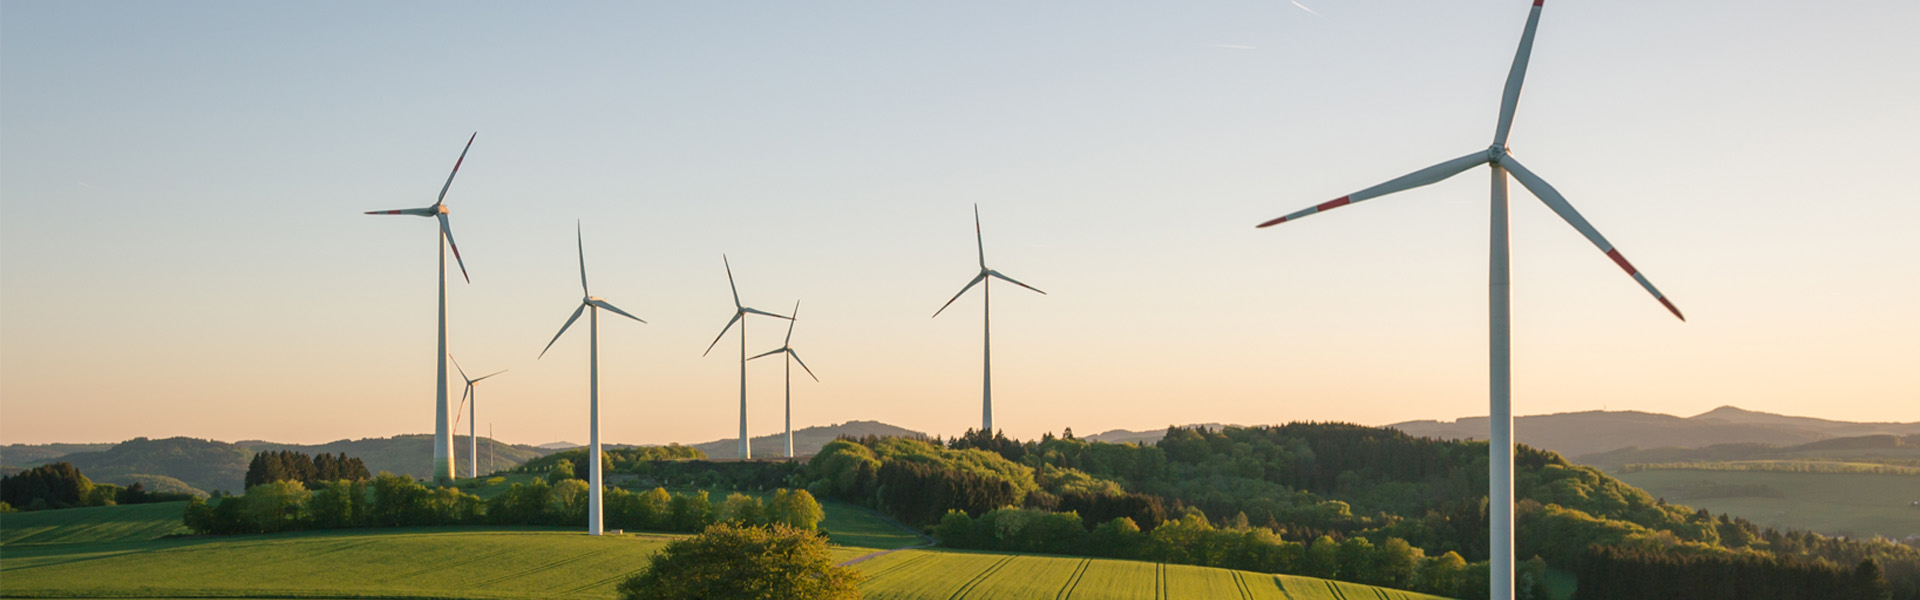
<point x="290" y="465"/>
<point x="389" y="500"/>
<point x="60" y="485"/>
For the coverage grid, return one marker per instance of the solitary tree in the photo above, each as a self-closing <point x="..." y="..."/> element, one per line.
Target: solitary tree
<point x="728" y="561"/>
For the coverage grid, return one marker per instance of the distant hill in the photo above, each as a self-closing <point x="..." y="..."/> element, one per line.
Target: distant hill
<point x="806" y="442"/>
<point x="1578" y="434"/>
<point x="195" y="465"/>
<point x="1146" y="437"/>
<point x="1880" y="449"/>
<point x="558" y="446"/>
<point x="31" y="455"/>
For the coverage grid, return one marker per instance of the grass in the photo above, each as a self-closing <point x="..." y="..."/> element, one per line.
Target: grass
<point x="77" y="555"/>
<point x="948" y="574"/>
<point x="1830" y="503"/>
<point x="97" y="524"/>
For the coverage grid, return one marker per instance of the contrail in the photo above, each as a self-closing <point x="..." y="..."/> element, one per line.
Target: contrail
<point x="1304" y="7"/>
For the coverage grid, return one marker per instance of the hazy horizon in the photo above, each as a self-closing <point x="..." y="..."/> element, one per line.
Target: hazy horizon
<point x="183" y="249"/>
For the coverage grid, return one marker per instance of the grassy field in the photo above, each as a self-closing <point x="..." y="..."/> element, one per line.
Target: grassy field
<point x="118" y="552"/>
<point x="92" y="525"/>
<point x="947" y="574"/>
<point x="1830" y="503"/>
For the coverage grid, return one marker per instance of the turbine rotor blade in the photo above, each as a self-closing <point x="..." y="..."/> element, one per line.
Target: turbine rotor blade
<point x="604" y="304"/>
<point x="456" y="366"/>
<point x="580" y="241"/>
<point x="563" y="329"/>
<point x="1552" y="198"/>
<point x="978" y="242"/>
<point x="790" y="322"/>
<point x="723" y="332"/>
<point x="418" y="212"/>
<point x="1429" y="175"/>
<point x="1510" y="97"/>
<point x="1010" y="280"/>
<point x="486" y="376"/>
<point x="462" y="409"/>
<point x="730" y="285"/>
<point x="757" y="311"/>
<point x="447" y="231"/>
<point x="456" y="170"/>
<point x="976" y="279"/>
<point x="803" y="364"/>
<point x="768" y="353"/>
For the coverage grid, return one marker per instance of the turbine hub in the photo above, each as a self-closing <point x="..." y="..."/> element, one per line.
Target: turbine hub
<point x="442" y="208"/>
<point x="1495" y="153"/>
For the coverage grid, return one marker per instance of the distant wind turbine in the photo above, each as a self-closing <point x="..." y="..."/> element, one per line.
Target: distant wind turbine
<point x="472" y="394"/>
<point x="1500" y="450"/>
<point x="787" y="348"/>
<point x="442" y="440"/>
<point x="740" y="311"/>
<point x="986" y="308"/>
<point x="589" y="301"/>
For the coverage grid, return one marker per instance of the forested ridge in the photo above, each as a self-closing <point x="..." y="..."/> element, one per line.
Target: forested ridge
<point x="1367" y="504"/>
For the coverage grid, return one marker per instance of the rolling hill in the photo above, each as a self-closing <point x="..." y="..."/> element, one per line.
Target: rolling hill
<point x="207" y="465"/>
<point x="806" y="442"/>
<point x="1578" y="434"/>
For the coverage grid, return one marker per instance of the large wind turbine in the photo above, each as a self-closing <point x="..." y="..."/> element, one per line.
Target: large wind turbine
<point x="471" y="394"/>
<point x="589" y="301"/>
<point x="442" y="440"/>
<point x="787" y="348"/>
<point x="986" y="308"/>
<point x="1500" y="448"/>
<point x="739" y="313"/>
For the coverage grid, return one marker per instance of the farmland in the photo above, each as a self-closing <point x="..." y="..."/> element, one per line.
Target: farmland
<point x="119" y="552"/>
<point x="1831" y="503"/>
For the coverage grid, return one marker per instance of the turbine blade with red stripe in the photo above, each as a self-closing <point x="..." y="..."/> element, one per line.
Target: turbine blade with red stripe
<point x="448" y="231"/>
<point x="1427" y="176"/>
<point x="1560" y="206"/>
<point x="1010" y="280"/>
<point x="803" y="364"/>
<point x="418" y="212"/>
<point x="456" y="169"/>
<point x="976" y="279"/>
<point x="1510" y="97"/>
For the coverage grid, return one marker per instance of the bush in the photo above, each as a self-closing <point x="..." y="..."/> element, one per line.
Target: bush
<point x="729" y="561"/>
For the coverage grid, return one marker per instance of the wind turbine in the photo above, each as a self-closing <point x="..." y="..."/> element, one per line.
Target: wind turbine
<point x="1500" y="448"/>
<point x="787" y="347"/>
<point x="588" y="300"/>
<point x="739" y="313"/>
<point x="473" y="451"/>
<point x="986" y="308"/>
<point x="442" y="440"/>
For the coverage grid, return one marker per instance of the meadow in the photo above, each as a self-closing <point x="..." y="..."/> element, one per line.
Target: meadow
<point x="1831" y="503"/>
<point x="128" y="552"/>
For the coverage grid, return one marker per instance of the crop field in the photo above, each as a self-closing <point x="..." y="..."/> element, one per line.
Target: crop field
<point x="92" y="525"/>
<point x="1830" y="503"/>
<point x="946" y="574"/>
<point x="118" y="552"/>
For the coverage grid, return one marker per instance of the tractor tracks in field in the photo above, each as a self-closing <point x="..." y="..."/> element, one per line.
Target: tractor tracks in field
<point x="1073" y="581"/>
<point x="981" y="577"/>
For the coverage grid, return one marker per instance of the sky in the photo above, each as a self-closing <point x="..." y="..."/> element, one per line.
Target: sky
<point x="183" y="250"/>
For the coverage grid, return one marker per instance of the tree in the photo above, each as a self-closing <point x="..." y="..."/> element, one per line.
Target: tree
<point x="741" y="509"/>
<point x="728" y="561"/>
<point x="277" y="506"/>
<point x="57" y="485"/>
<point x="796" y="508"/>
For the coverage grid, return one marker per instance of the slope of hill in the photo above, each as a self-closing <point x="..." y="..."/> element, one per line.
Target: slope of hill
<point x="410" y="455"/>
<point x="806" y="442"/>
<point x="1142" y="437"/>
<point x="31" y="455"/>
<point x="1578" y="434"/>
<point x="1881" y="448"/>
<point x="203" y="464"/>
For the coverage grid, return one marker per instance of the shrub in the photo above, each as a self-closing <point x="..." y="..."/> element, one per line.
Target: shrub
<point x="728" y="561"/>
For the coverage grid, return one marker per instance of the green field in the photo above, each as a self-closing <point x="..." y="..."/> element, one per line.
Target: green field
<point x="946" y="574"/>
<point x="118" y="552"/>
<point x="1830" y="503"/>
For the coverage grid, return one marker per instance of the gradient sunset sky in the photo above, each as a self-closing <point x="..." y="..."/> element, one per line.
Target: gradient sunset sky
<point x="182" y="249"/>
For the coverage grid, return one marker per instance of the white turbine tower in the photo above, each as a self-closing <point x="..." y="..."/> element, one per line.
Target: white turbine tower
<point x="739" y="313"/>
<point x="442" y="439"/>
<point x="787" y="348"/>
<point x="1500" y="448"/>
<point x="472" y="394"/>
<point x="589" y="301"/>
<point x="986" y="307"/>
